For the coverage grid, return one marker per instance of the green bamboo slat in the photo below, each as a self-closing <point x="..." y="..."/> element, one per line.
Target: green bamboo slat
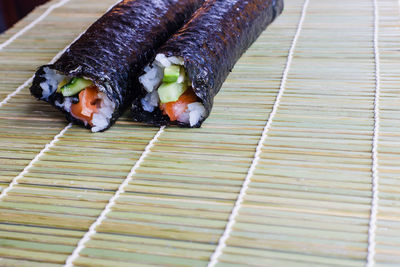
<point x="60" y="202"/>
<point x="25" y="263"/>
<point x="39" y="231"/>
<point x="142" y="257"/>
<point x="319" y="247"/>
<point x="23" y="255"/>
<point x="85" y="261"/>
<point x="64" y="193"/>
<point x="161" y="230"/>
<point x="32" y="246"/>
<point x="139" y="210"/>
<point x="46" y="219"/>
<point x="40" y="238"/>
<point x="255" y="257"/>
<point x="144" y="249"/>
<point x="317" y="222"/>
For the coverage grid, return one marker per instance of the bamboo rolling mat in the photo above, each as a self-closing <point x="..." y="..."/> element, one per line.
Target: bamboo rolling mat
<point x="280" y="174"/>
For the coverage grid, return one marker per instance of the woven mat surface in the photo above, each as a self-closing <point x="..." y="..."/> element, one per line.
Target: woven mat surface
<point x="298" y="164"/>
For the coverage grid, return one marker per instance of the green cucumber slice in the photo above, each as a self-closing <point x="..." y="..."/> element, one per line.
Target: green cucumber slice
<point x="170" y="92"/>
<point x="75" y="86"/>
<point x="61" y="84"/>
<point x="171" y="74"/>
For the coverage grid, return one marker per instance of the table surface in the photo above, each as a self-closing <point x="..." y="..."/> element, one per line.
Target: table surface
<point x="298" y="163"/>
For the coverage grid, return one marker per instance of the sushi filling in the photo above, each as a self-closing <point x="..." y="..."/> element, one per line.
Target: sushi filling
<point x="168" y="88"/>
<point x="81" y="98"/>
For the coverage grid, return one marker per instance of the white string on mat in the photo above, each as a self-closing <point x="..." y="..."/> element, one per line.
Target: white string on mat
<point x="47" y="147"/>
<point x="121" y="189"/>
<point x="33" y="23"/>
<point x="235" y="211"/>
<point x="27" y="82"/>
<point x="375" y="174"/>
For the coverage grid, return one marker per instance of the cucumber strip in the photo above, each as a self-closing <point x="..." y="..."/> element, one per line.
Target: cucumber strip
<point x="170" y="92"/>
<point x="171" y="74"/>
<point x="75" y="86"/>
<point x="61" y="84"/>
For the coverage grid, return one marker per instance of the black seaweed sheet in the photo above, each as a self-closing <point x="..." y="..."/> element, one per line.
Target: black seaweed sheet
<point x="210" y="43"/>
<point x="113" y="51"/>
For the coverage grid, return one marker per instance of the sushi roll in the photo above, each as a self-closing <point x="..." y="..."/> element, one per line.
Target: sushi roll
<point x="180" y="83"/>
<point x="94" y="79"/>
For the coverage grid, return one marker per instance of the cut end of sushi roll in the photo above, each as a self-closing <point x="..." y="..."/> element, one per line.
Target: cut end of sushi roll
<point x="79" y="97"/>
<point x="169" y="89"/>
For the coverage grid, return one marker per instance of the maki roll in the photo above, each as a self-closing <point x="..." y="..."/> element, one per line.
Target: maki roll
<point x="180" y="83"/>
<point x="93" y="81"/>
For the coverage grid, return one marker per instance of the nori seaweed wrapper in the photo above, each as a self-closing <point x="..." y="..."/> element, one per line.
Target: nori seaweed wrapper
<point x="210" y="43"/>
<point x="114" y="49"/>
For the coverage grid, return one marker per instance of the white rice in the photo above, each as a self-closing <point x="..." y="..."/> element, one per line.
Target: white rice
<point x="196" y="112"/>
<point x="152" y="79"/>
<point x="100" y="119"/>
<point x="66" y="104"/>
<point x="193" y="114"/>
<point x="162" y="61"/>
<point x="150" y="101"/>
<point x="51" y="83"/>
